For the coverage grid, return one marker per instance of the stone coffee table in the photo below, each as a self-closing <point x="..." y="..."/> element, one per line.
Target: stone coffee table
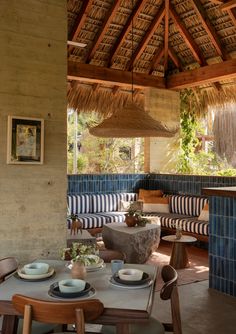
<point x="137" y="243"/>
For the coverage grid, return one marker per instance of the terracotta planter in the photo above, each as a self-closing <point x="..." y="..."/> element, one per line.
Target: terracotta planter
<point x="78" y="270"/>
<point x="130" y="221"/>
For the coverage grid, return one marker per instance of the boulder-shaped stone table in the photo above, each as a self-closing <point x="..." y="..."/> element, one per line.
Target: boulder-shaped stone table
<point x="137" y="243"/>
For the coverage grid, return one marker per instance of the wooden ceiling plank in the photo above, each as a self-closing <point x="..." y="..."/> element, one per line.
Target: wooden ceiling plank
<point x="232" y="15"/>
<point x="156" y="58"/>
<point x="228" y="5"/>
<point x="166" y="34"/>
<point x="135" y="13"/>
<point x="83" y="13"/>
<point x="203" y="75"/>
<point x="91" y="73"/>
<point x="149" y="33"/>
<point x="200" y="11"/>
<point x="101" y="33"/>
<point x="187" y="37"/>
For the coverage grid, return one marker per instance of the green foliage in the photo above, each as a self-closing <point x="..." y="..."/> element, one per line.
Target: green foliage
<point x="192" y="159"/>
<point x="102" y="155"/>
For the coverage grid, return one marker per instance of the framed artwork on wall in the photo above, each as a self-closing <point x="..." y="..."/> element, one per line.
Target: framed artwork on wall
<point x="25" y="140"/>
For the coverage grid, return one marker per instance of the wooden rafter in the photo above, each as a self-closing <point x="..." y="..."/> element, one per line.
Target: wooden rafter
<point x="156" y="58"/>
<point x="101" y="33"/>
<point x="115" y="90"/>
<point x="91" y="73"/>
<point x="199" y="9"/>
<point x="228" y="5"/>
<point x="136" y="11"/>
<point x="187" y="37"/>
<point x="203" y="75"/>
<point x="152" y="28"/>
<point x="84" y="10"/>
<point x="174" y="58"/>
<point x="96" y="86"/>
<point x="166" y="33"/>
<point x="232" y="15"/>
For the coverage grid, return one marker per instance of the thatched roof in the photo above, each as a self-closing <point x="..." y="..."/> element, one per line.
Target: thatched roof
<point x="153" y="43"/>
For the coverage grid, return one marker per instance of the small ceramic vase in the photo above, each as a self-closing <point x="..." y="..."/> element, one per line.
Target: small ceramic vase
<point x="78" y="270"/>
<point x="178" y="233"/>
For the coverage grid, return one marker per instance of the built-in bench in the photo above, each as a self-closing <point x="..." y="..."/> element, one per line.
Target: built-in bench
<point x="96" y="210"/>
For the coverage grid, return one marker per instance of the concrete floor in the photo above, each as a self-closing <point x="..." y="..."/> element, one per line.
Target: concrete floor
<point x="203" y="310"/>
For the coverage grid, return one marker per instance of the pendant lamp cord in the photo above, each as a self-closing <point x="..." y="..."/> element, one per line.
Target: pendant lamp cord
<point x="132" y="53"/>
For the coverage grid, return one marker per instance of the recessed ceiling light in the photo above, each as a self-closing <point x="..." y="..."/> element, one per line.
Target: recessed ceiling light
<point x="76" y="44"/>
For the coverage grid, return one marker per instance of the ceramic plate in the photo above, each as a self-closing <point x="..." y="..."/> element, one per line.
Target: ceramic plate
<point x="54" y="290"/>
<point x="141" y="286"/>
<point x="144" y="280"/>
<point x="22" y="274"/>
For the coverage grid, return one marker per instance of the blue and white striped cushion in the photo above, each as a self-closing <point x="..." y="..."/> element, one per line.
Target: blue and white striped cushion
<point x="187" y="205"/>
<point x="95" y="220"/>
<point x="79" y="203"/>
<point x="105" y="202"/>
<point x="131" y="197"/>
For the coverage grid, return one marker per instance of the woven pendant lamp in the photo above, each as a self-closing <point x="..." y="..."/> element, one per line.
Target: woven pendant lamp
<point x="132" y="121"/>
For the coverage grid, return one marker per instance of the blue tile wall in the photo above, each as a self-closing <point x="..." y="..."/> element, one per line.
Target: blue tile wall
<point x="222" y="244"/>
<point x="108" y="183"/>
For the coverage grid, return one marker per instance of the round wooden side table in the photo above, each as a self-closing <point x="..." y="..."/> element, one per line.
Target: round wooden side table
<point x="179" y="254"/>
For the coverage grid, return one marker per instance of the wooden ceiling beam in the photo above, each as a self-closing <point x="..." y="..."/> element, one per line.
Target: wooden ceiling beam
<point x="232" y="15"/>
<point x="149" y="33"/>
<point x="135" y="13"/>
<point x="166" y="34"/>
<point x="187" y="37"/>
<point x="156" y="58"/>
<point x="228" y="5"/>
<point x="175" y="58"/>
<point x="101" y="33"/>
<point x="80" y="20"/>
<point x="92" y="73"/>
<point x="203" y="75"/>
<point x="115" y="90"/>
<point x="210" y="30"/>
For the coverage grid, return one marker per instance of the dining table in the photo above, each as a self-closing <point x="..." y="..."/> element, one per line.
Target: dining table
<point x="123" y="304"/>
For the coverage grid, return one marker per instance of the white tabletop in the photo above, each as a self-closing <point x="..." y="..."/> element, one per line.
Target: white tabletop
<point x="184" y="238"/>
<point x="111" y="296"/>
<point x="122" y="227"/>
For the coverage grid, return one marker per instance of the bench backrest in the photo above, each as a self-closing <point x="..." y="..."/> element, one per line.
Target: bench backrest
<point x="187" y="205"/>
<point x="93" y="203"/>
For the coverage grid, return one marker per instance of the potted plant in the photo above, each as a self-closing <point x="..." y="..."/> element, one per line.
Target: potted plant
<point x="130" y="217"/>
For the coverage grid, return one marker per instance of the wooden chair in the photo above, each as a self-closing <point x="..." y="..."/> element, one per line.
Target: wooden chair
<point x="7" y="266"/>
<point x="168" y="291"/>
<point x="76" y="312"/>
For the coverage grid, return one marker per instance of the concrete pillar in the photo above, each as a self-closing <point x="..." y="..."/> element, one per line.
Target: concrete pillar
<point x="33" y="67"/>
<point x="161" y="153"/>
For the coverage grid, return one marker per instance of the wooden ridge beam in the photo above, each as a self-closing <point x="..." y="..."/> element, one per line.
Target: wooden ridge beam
<point x="92" y="73"/>
<point x="203" y="75"/>
<point x="210" y="30"/>
<point x="137" y="9"/>
<point x="228" y="5"/>
<point x="83" y="13"/>
<point x="166" y="34"/>
<point x="187" y="37"/>
<point x="149" y="33"/>
<point x="101" y="33"/>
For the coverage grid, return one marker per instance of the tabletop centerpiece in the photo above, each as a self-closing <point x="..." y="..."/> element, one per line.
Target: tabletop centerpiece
<point x="77" y="254"/>
<point x="135" y="216"/>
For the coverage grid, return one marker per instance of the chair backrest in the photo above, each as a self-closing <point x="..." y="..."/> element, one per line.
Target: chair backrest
<point x="170" y="291"/>
<point x="57" y="312"/>
<point x="7" y="266"/>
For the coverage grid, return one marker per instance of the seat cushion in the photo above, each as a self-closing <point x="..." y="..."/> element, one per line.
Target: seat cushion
<point x="187" y="205"/>
<point x="95" y="220"/>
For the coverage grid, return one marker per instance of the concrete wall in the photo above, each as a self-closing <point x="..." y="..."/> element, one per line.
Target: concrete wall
<point x="160" y="153"/>
<point x="33" y="69"/>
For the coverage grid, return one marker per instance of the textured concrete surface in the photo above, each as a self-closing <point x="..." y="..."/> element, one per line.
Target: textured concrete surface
<point x="33" y="69"/>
